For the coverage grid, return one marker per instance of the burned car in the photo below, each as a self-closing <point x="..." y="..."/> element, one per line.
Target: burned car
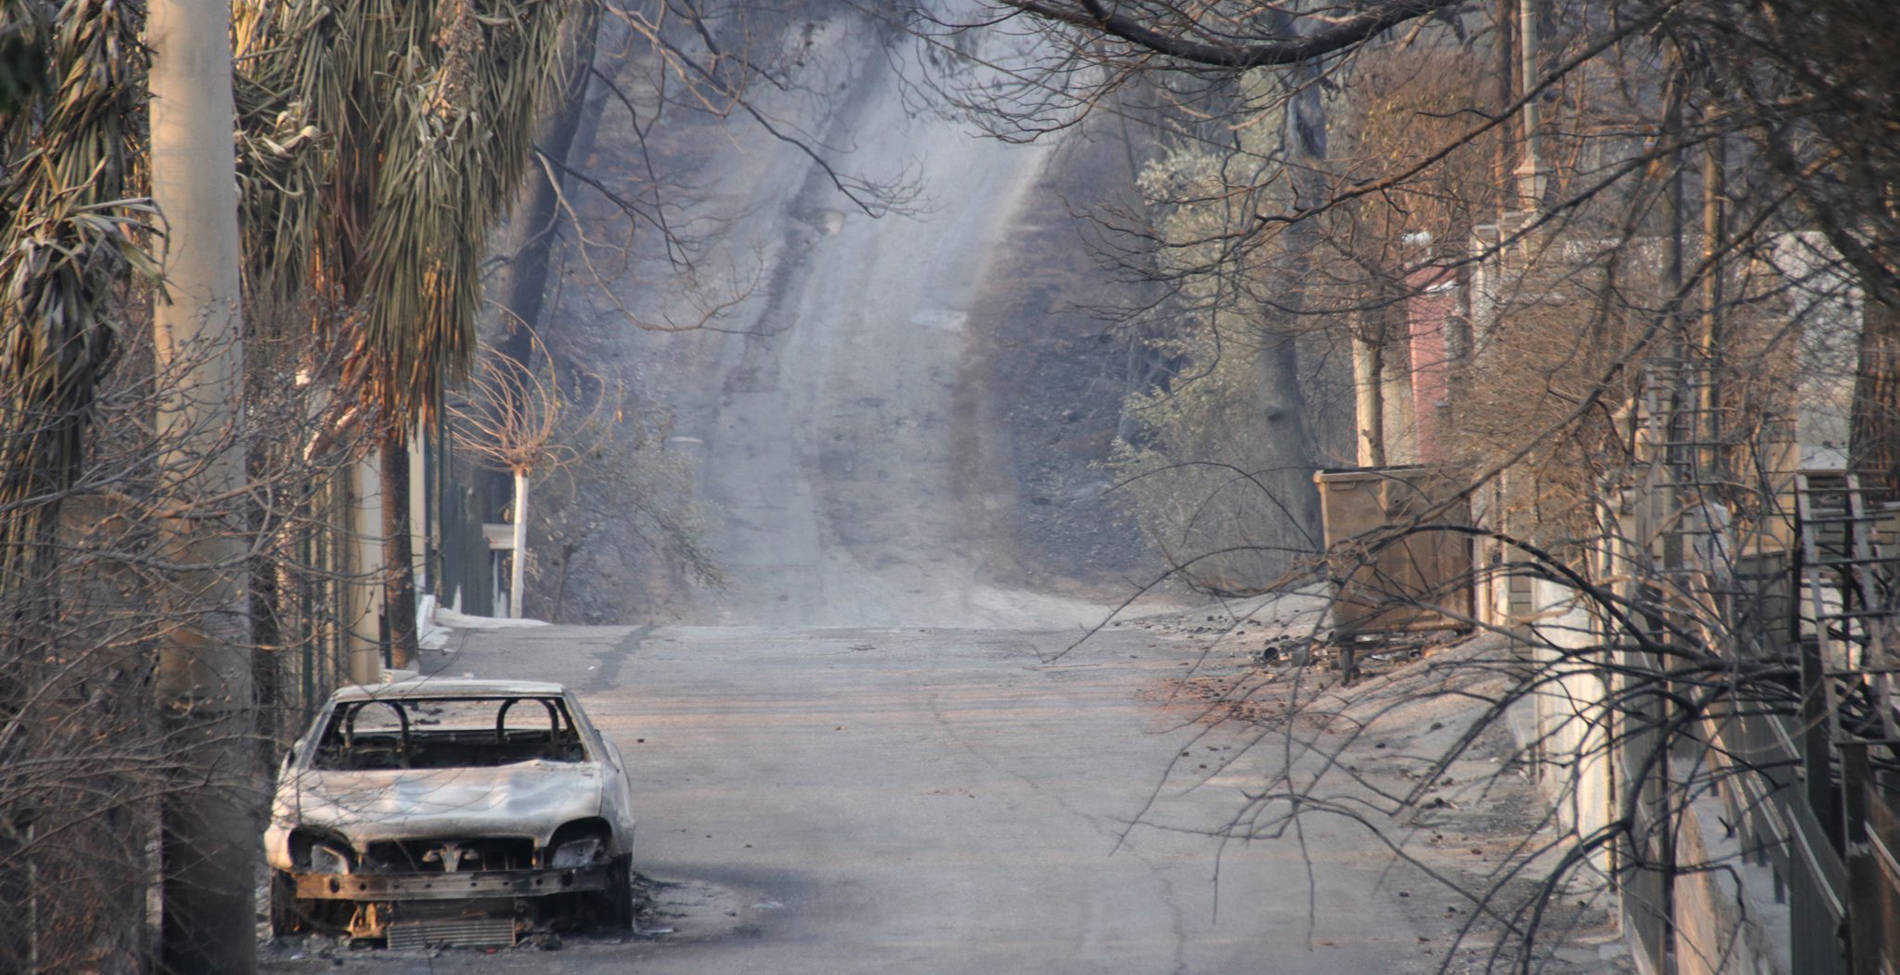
<point x="461" y="812"/>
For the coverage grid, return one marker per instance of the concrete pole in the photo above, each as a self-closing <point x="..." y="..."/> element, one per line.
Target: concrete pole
<point x="1530" y="175"/>
<point x="519" y="561"/>
<point x="365" y="578"/>
<point x="1714" y="191"/>
<point x="1368" y="400"/>
<point x="208" y="835"/>
<point x="420" y="501"/>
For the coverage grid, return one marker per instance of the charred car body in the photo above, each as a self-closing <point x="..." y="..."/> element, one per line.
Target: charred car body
<point x="430" y="812"/>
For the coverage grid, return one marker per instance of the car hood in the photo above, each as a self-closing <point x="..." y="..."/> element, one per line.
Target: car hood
<point x="524" y="799"/>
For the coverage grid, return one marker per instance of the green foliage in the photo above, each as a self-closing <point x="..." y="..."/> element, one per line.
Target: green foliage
<point x="1204" y="476"/>
<point x="1201" y="474"/>
<point x="1266" y="286"/>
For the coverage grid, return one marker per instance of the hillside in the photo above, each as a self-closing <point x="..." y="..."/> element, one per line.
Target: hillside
<point x="892" y="420"/>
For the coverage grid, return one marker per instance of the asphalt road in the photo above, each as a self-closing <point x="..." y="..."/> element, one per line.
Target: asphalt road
<point x="936" y="801"/>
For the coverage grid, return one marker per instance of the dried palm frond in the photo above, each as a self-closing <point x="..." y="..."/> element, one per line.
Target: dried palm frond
<point x="385" y="140"/>
<point x="70" y="236"/>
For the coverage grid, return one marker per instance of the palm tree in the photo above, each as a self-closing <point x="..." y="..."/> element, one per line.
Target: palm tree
<point x="70" y="237"/>
<point x="425" y="114"/>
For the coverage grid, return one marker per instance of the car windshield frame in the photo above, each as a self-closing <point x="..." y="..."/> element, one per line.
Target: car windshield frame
<point x="430" y="731"/>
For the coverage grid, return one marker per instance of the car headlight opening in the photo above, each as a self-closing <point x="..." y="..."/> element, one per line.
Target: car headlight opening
<point x="577" y="853"/>
<point x="326" y="858"/>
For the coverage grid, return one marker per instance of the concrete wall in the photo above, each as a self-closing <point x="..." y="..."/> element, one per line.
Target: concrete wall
<point x="1567" y="723"/>
<point x="1727" y="920"/>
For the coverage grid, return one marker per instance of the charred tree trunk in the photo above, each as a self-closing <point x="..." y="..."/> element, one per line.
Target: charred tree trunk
<point x="529" y="239"/>
<point x="1279" y="369"/>
<point x="399" y="576"/>
<point x="1368" y="381"/>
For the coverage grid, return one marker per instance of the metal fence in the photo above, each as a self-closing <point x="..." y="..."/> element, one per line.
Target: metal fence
<point x="1794" y="575"/>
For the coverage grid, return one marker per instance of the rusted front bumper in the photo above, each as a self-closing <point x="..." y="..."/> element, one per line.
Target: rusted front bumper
<point x="464" y="885"/>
